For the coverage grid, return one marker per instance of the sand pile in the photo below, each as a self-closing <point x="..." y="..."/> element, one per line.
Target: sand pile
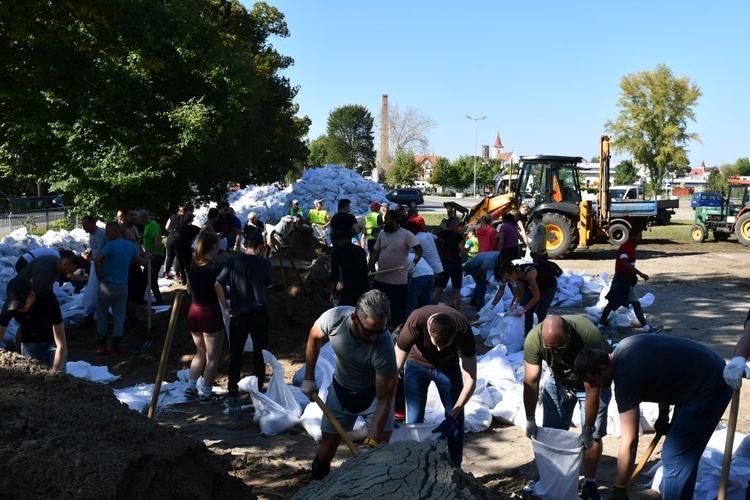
<point x="405" y="469"/>
<point x="64" y="437"/>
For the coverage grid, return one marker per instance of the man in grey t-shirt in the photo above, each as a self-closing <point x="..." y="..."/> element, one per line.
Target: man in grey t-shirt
<point x="364" y="381"/>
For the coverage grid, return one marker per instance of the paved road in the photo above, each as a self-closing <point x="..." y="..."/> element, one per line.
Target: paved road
<point x="434" y="204"/>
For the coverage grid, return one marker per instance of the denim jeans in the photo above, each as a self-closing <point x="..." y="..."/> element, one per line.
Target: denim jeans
<point x="116" y="297"/>
<point x="419" y="290"/>
<point x="692" y="426"/>
<point x="559" y="401"/>
<point x="480" y="290"/>
<point x="41" y="351"/>
<point x="449" y="383"/>
<point x="256" y="324"/>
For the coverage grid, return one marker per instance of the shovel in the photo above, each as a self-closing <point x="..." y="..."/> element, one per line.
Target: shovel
<point x="148" y="339"/>
<point x="644" y="459"/>
<point x="336" y="425"/>
<point x="727" y="460"/>
<point x="381" y="271"/>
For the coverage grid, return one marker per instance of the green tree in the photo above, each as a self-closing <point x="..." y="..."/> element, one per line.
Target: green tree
<point x="655" y="108"/>
<point x="716" y="181"/>
<point x="149" y="103"/>
<point x="742" y="166"/>
<point x="350" y="138"/>
<point x="404" y="170"/>
<point x="318" y="152"/>
<point x="441" y="173"/>
<point x="626" y="173"/>
<point x="464" y="171"/>
<point x="487" y="169"/>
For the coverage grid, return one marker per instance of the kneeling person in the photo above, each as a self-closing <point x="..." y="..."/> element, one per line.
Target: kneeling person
<point x="364" y="380"/>
<point x="428" y="350"/>
<point x="557" y="340"/>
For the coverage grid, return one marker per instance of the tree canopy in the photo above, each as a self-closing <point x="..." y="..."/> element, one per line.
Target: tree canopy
<point x="350" y="140"/>
<point x="655" y="108"/>
<point x="137" y="101"/>
<point x="404" y="170"/>
<point x="626" y="173"/>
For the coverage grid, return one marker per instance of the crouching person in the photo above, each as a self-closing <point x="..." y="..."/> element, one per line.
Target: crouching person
<point x="364" y="380"/>
<point x="428" y="351"/>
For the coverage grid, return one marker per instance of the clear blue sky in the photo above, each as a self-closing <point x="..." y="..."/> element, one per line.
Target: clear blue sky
<point x="545" y="73"/>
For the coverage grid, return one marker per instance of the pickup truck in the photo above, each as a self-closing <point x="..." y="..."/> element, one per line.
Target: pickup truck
<point x="627" y="200"/>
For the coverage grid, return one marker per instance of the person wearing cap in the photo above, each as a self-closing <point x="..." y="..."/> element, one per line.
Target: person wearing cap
<point x="297" y="212"/>
<point x="41" y="332"/>
<point x="373" y="224"/>
<point x="152" y="244"/>
<point x="318" y="216"/>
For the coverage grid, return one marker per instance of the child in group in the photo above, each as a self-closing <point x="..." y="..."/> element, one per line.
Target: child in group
<point x="472" y="244"/>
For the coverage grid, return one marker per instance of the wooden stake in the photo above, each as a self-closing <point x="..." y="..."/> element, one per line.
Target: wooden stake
<point x="165" y="352"/>
<point x="726" y="463"/>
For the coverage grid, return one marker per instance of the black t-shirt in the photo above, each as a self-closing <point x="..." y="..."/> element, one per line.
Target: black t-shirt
<point x="36" y="323"/>
<point x="178" y="225"/>
<point x="351" y="260"/>
<point x="202" y="281"/>
<point x="249" y="228"/>
<point x="545" y="278"/>
<point x="342" y="222"/>
<point x="451" y="240"/>
<point x="225" y="226"/>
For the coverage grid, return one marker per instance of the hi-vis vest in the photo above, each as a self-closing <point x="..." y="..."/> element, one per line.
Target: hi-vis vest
<point x="371" y="223"/>
<point x="317" y="217"/>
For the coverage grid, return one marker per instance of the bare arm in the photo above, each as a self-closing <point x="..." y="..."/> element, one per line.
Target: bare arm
<point x="625" y="262"/>
<point x="312" y="350"/>
<point x="498" y="294"/>
<point x="592" y="404"/>
<point x="535" y="293"/>
<point x="385" y="390"/>
<point x="222" y="295"/>
<point x="61" y="354"/>
<point x="518" y="295"/>
<point x="417" y="252"/>
<point x="531" y="376"/>
<point x="469" y="375"/>
<point x="400" y="358"/>
<point x="628" y="445"/>
<point x="98" y="265"/>
<point x="373" y="259"/>
<point x="743" y="345"/>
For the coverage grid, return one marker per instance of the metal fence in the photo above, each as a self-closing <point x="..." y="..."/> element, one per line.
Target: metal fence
<point x="37" y="221"/>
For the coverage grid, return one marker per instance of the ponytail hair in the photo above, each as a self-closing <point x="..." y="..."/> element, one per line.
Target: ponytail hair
<point x="206" y="241"/>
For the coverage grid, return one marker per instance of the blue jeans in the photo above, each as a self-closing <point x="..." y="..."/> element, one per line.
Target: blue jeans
<point x="692" y="426"/>
<point x="41" y="351"/>
<point x="420" y="290"/>
<point x="115" y="296"/>
<point x="559" y="401"/>
<point x="480" y="290"/>
<point x="449" y="383"/>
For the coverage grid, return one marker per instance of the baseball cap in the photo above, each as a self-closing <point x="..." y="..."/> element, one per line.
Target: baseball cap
<point x="375" y="205"/>
<point x="18" y="290"/>
<point x="319" y="200"/>
<point x="295" y="202"/>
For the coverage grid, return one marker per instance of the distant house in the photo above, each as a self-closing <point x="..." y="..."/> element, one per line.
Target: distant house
<point x="426" y="163"/>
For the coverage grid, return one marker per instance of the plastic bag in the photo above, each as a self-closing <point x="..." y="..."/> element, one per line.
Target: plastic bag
<point x="514" y="333"/>
<point x="270" y="415"/>
<point x="277" y="390"/>
<point x="558" y="457"/>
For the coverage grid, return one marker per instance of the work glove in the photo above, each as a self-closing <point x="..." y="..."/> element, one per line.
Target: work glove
<point x="410" y="267"/>
<point x="333" y="299"/>
<point x="368" y="445"/>
<point x="531" y="427"/>
<point x="586" y="439"/>
<point x="619" y="492"/>
<point x="308" y="388"/>
<point x="445" y="427"/>
<point x="735" y="370"/>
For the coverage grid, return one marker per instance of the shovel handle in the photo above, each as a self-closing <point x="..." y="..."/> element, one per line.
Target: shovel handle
<point x="727" y="460"/>
<point x="381" y="271"/>
<point x="336" y="425"/>
<point x="644" y="459"/>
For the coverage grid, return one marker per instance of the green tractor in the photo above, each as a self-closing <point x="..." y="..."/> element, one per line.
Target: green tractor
<point x="732" y="216"/>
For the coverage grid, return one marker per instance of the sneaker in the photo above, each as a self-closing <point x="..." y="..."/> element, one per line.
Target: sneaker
<point x="209" y="398"/>
<point x="590" y="491"/>
<point x="191" y="393"/>
<point x="399" y="415"/>
<point x="103" y="350"/>
<point x="529" y="488"/>
<point x="652" y="328"/>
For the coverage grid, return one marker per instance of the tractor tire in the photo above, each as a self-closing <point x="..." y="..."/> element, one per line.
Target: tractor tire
<point x="721" y="236"/>
<point x="562" y="238"/>
<point x="742" y="229"/>
<point x="698" y="233"/>
<point x="618" y="233"/>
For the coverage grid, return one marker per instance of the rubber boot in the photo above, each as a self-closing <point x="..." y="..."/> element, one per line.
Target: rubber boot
<point x="319" y="469"/>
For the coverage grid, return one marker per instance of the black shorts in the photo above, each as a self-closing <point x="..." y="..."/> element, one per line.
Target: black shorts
<point x="452" y="271"/>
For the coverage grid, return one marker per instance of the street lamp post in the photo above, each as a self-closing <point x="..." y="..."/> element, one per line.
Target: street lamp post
<point x="476" y="120"/>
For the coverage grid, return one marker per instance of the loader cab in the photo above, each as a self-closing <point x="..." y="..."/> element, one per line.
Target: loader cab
<point x="549" y="181"/>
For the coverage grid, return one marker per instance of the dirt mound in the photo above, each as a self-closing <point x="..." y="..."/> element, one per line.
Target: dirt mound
<point x="64" y="437"/>
<point x="405" y="469"/>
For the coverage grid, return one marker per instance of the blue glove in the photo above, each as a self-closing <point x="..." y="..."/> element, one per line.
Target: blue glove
<point x="445" y="427"/>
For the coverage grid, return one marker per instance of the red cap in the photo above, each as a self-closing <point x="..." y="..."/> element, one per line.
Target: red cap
<point x="374" y="205"/>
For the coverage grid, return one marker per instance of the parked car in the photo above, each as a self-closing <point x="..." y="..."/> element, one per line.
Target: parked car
<point x="706" y="199"/>
<point x="406" y="196"/>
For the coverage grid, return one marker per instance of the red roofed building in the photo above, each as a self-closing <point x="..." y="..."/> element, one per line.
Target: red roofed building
<point x="498" y="152"/>
<point x="426" y="164"/>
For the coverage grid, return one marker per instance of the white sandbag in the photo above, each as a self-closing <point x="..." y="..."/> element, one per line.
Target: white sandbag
<point x="277" y="390"/>
<point x="82" y="369"/>
<point x="493" y="366"/>
<point x="413" y="432"/>
<point x="514" y="333"/>
<point x="477" y="417"/>
<point x="558" y="457"/>
<point x="270" y="415"/>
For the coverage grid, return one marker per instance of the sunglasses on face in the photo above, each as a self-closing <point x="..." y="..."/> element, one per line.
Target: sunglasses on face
<point x="367" y="331"/>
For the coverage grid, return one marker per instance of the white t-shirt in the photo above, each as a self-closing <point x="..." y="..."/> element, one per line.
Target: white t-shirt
<point x="430" y="252"/>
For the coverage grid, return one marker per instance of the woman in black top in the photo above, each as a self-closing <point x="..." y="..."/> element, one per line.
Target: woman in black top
<point x="535" y="287"/>
<point x="205" y="320"/>
<point x="176" y="228"/>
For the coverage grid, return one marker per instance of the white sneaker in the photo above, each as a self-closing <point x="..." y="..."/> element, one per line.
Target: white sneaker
<point x="529" y="488"/>
<point x="652" y="328"/>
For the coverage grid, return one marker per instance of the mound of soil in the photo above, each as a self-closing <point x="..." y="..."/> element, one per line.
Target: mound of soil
<point x="64" y="437"/>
